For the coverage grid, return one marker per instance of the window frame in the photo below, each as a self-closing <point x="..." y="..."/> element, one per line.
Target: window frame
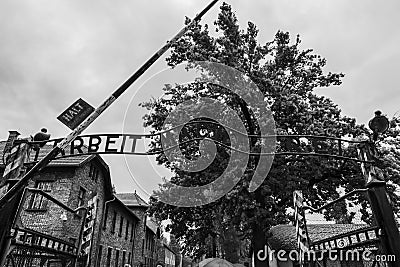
<point x="133" y="230"/>
<point x="99" y="256"/>
<point x="121" y="225"/>
<point x="127" y="229"/>
<point x="117" y="258"/>
<point x="109" y="256"/>
<point x="94" y="172"/>
<point x="105" y="216"/>
<point x="44" y="202"/>
<point x="81" y="198"/>
<point x="114" y="222"/>
<point x="123" y="257"/>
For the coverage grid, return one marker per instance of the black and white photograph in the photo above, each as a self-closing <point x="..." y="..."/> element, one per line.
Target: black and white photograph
<point x="203" y="133"/>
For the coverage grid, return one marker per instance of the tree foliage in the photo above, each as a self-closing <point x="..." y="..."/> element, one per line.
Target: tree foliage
<point x="287" y="76"/>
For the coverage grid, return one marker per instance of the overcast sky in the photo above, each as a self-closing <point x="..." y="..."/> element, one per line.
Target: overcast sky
<point x="54" y="51"/>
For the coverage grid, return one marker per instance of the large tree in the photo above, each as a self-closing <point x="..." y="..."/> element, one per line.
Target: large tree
<point x="287" y="76"/>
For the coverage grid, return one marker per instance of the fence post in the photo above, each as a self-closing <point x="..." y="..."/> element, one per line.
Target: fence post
<point x="380" y="205"/>
<point x="14" y="164"/>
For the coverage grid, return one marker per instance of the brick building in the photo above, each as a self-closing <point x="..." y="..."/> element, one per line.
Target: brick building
<point x="152" y="239"/>
<point x="117" y="241"/>
<point x="74" y="182"/>
<point x="148" y="234"/>
<point x="117" y="234"/>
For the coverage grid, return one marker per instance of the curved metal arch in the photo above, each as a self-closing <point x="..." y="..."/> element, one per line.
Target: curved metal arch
<point x="159" y="151"/>
<point x="149" y="135"/>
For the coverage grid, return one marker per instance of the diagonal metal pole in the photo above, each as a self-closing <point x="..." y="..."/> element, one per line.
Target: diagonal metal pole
<point x="96" y="113"/>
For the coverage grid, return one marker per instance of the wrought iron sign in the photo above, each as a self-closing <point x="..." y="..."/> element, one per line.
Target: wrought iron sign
<point x="297" y="145"/>
<point x="127" y="144"/>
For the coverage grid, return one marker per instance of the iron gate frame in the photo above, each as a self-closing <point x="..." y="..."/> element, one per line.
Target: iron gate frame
<point x="28" y="245"/>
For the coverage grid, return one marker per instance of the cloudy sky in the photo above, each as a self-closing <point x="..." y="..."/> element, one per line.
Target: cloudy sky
<point x="54" y="51"/>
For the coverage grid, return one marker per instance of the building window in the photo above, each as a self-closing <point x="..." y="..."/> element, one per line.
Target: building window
<point x="38" y="201"/>
<point x="117" y="258"/>
<point x="105" y="217"/>
<point x="81" y="199"/>
<point x="109" y="253"/>
<point x="121" y="225"/>
<point x="132" y="230"/>
<point x="126" y="230"/>
<point x="129" y="258"/>
<point x="114" y="220"/>
<point x="123" y="257"/>
<point x="99" y="256"/>
<point x="93" y="173"/>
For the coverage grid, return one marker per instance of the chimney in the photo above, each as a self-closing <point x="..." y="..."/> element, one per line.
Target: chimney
<point x="12" y="136"/>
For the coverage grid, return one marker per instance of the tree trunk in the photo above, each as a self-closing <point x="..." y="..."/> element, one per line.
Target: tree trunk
<point x="231" y="245"/>
<point x="259" y="244"/>
<point x="258" y="230"/>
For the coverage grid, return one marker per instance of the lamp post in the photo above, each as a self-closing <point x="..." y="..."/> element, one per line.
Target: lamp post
<point x="376" y="187"/>
<point x="379" y="125"/>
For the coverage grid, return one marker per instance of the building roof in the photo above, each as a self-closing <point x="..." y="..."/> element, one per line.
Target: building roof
<point x="2" y="146"/>
<point x="118" y="202"/>
<point x="283" y="237"/>
<point x="68" y="161"/>
<point x="74" y="161"/>
<point x="132" y="200"/>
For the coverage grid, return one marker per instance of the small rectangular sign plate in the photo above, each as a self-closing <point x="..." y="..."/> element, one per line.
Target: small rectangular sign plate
<point x="76" y="113"/>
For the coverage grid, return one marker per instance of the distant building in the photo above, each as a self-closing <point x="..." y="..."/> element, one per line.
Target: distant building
<point x="73" y="181"/>
<point x="117" y="241"/>
<point x="152" y="238"/>
<point x="148" y="234"/>
<point x="166" y="255"/>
